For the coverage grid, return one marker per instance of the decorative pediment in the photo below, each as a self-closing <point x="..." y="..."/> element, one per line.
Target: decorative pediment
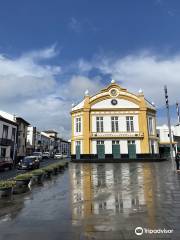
<point x="113" y="86"/>
<point x="114" y="91"/>
<point x="113" y="96"/>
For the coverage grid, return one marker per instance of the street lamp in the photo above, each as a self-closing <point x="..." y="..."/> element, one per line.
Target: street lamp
<point x="169" y="126"/>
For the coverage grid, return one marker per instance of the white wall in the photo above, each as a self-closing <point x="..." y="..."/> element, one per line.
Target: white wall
<point x="163" y="132"/>
<point x="93" y="145"/>
<point x="123" y="146"/>
<point x="138" y="147"/>
<point x="177" y="130"/>
<point x="136" y="123"/>
<point x="108" y="147"/>
<point x="153" y="124"/>
<point x="30" y="135"/>
<point x="122" y="122"/>
<point x="121" y="104"/>
<point x="154" y="142"/>
<point x="156" y="146"/>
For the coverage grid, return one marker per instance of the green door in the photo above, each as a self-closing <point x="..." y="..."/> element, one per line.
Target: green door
<point x="100" y="151"/>
<point x="77" y="151"/>
<point x="167" y="152"/>
<point x="132" y="150"/>
<point x="116" y="151"/>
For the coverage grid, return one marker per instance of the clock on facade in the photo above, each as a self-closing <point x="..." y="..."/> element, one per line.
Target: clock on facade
<point x="114" y="92"/>
<point x="114" y="102"/>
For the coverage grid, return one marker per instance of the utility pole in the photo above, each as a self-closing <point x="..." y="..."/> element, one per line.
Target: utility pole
<point x="169" y="126"/>
<point x="177" y="109"/>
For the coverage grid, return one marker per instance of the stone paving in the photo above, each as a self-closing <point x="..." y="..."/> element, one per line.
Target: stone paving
<point x="97" y="201"/>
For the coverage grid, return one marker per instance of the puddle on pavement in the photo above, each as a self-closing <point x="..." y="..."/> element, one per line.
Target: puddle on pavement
<point x="89" y="199"/>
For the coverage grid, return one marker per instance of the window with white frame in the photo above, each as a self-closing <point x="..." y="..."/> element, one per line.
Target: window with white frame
<point x="150" y="125"/>
<point x="99" y="124"/>
<point x="114" y="124"/>
<point x="131" y="141"/>
<point x="78" y="124"/>
<point x="5" y="132"/>
<point x="115" y="142"/>
<point x="100" y="142"/>
<point x="3" y="152"/>
<point x="130" y="124"/>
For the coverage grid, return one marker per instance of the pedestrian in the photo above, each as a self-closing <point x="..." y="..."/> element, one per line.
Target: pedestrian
<point x="177" y="159"/>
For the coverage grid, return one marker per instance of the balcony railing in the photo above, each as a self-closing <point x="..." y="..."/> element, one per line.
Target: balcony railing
<point x="5" y="142"/>
<point x="117" y="134"/>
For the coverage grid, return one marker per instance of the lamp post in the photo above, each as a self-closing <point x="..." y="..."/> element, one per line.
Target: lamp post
<point x="169" y="126"/>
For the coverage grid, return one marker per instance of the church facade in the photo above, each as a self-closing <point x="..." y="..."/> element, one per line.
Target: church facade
<point x="115" y="124"/>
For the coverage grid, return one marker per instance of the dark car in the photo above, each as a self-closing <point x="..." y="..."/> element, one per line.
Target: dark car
<point x="28" y="163"/>
<point x="6" y="163"/>
<point x="38" y="154"/>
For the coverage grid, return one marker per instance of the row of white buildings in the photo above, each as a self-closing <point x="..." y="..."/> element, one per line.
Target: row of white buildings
<point x="18" y="139"/>
<point x="164" y="139"/>
<point x="46" y="141"/>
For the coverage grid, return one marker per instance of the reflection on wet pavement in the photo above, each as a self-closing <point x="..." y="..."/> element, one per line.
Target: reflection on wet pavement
<point x="116" y="198"/>
<point x="97" y="201"/>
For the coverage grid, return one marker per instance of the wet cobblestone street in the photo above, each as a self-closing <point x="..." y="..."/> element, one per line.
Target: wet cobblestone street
<point x="97" y="201"/>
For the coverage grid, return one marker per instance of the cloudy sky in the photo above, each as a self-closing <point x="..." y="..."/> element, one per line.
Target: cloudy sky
<point x="51" y="51"/>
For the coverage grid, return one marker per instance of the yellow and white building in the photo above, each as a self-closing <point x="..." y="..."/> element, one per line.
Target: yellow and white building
<point x="114" y="123"/>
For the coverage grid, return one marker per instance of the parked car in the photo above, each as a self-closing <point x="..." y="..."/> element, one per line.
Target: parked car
<point x="58" y="156"/>
<point x="65" y="156"/>
<point x="45" y="155"/>
<point x="38" y="154"/>
<point x="6" y="163"/>
<point x="28" y="163"/>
